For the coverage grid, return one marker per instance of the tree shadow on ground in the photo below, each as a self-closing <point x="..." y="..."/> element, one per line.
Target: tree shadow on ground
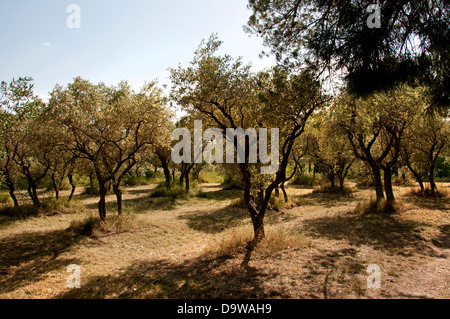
<point x="138" y="191"/>
<point x="222" y="195"/>
<point x="382" y="232"/>
<point x="432" y="203"/>
<point x="27" y="257"/>
<point x="215" y="221"/>
<point x="138" y="205"/>
<point x="443" y="240"/>
<point x="328" y="200"/>
<point x="147" y="203"/>
<point x="144" y="204"/>
<point x="330" y="273"/>
<point x="10" y="214"/>
<point x="199" y="278"/>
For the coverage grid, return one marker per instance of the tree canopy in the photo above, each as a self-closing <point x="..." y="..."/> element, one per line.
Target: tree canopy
<point x="411" y="43"/>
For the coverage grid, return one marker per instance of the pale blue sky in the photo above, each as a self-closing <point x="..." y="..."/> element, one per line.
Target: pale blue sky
<point x="134" y="40"/>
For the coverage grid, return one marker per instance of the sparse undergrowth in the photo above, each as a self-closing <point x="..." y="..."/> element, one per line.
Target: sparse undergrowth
<point x="177" y="191"/>
<point x="327" y="189"/>
<point x="5" y="199"/>
<point x="48" y="207"/>
<point x="210" y="177"/>
<point x="91" y="190"/>
<point x="21" y="212"/>
<point x="277" y="239"/>
<point x="229" y="185"/>
<point x="172" y="193"/>
<point x="136" y="181"/>
<point x="427" y="193"/>
<point x="380" y="207"/>
<point x="278" y="203"/>
<point x="304" y="179"/>
<point x="193" y="248"/>
<point x="275" y="203"/>
<point x="95" y="228"/>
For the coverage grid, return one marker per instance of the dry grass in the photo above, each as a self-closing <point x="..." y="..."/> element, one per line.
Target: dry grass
<point x="416" y="192"/>
<point x="372" y="206"/>
<point x="277" y="239"/>
<point x="96" y="228"/>
<point x="49" y="207"/>
<point x="5" y="199"/>
<point x="317" y="246"/>
<point x="327" y="189"/>
<point x="276" y="203"/>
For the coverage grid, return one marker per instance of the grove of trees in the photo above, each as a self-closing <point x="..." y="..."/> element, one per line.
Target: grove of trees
<point x="391" y="111"/>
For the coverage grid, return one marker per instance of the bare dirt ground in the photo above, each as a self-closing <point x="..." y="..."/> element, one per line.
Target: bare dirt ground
<point x="318" y="248"/>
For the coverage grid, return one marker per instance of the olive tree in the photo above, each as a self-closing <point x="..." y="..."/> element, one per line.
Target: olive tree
<point x="329" y="149"/>
<point x="34" y="146"/>
<point x="376" y="127"/>
<point x="427" y="138"/>
<point x="16" y="99"/>
<point x="228" y="95"/>
<point x="26" y="141"/>
<point x="108" y="126"/>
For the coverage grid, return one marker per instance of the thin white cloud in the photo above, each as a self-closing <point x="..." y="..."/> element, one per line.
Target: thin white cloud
<point x="47" y="44"/>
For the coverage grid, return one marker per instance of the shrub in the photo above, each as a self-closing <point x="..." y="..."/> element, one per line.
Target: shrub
<point x="276" y="203"/>
<point x="149" y="174"/>
<point x="229" y="185"/>
<point x="54" y="206"/>
<point x="238" y="203"/>
<point x="91" y="190"/>
<point x="82" y="180"/>
<point x="48" y="207"/>
<point x="303" y="180"/>
<point x="94" y="227"/>
<point x="21" y="212"/>
<point x="426" y="193"/>
<point x="85" y="227"/>
<point x="397" y="180"/>
<point x="154" y="178"/>
<point x="443" y="168"/>
<point x="377" y="207"/>
<point x="47" y="183"/>
<point x="173" y="193"/>
<point x="136" y="181"/>
<point x="4" y="198"/>
<point x="327" y="189"/>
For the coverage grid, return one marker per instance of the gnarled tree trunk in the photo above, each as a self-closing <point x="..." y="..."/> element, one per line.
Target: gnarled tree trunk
<point x="103" y="190"/>
<point x="55" y="185"/>
<point x="378" y="183"/>
<point x="433" y="186"/>
<point x="118" y="192"/>
<point x="390" y="198"/>
<point x="72" y="183"/>
<point x="11" y="187"/>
